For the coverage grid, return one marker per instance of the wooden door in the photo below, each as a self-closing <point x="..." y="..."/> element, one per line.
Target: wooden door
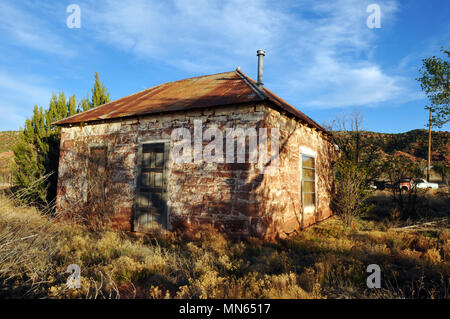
<point x="150" y="203"/>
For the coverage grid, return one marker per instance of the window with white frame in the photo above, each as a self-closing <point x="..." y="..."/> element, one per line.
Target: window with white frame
<point x="308" y="181"/>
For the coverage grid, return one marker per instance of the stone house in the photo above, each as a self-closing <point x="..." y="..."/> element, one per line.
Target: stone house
<point x="119" y="159"/>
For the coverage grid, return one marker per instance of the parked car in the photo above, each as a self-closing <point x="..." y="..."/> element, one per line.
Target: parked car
<point x="382" y="185"/>
<point x="379" y="185"/>
<point x="373" y="186"/>
<point x="405" y="184"/>
<point x="421" y="183"/>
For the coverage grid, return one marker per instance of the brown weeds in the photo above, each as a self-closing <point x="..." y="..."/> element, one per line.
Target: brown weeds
<point x="328" y="260"/>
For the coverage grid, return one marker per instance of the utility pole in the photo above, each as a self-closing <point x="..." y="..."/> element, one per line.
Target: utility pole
<point x="429" y="148"/>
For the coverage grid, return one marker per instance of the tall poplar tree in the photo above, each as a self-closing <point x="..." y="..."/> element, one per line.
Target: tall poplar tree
<point x="100" y="94"/>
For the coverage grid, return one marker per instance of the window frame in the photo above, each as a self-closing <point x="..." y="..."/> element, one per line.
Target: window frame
<point x="310" y="209"/>
<point x="307" y="179"/>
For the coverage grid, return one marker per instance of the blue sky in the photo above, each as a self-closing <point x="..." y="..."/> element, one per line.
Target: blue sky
<point x="320" y="55"/>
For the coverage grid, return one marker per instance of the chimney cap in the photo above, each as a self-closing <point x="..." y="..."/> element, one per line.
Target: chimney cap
<point x="260" y="52"/>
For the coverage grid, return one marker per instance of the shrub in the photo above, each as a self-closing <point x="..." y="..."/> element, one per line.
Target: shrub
<point x="351" y="192"/>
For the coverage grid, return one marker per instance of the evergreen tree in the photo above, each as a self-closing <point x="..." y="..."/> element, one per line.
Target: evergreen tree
<point x="35" y="169"/>
<point x="100" y="94"/>
<point x="27" y="172"/>
<point x="72" y="104"/>
<point x="84" y="105"/>
<point x="28" y="169"/>
<point x="37" y="153"/>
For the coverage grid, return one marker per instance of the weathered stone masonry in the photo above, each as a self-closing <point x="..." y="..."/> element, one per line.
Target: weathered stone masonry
<point x="235" y="198"/>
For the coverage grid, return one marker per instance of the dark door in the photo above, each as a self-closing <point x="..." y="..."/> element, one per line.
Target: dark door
<point x="150" y="203"/>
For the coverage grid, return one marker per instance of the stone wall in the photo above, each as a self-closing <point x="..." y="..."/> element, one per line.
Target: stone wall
<point x="283" y="191"/>
<point x="235" y="198"/>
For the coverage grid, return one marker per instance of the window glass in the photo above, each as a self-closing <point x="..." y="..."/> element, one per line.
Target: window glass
<point x="308" y="181"/>
<point x="307" y="161"/>
<point x="308" y="174"/>
<point x="308" y="187"/>
<point x="308" y="200"/>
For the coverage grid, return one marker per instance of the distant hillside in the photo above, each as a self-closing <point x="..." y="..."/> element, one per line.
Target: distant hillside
<point x="413" y="143"/>
<point x="7" y="140"/>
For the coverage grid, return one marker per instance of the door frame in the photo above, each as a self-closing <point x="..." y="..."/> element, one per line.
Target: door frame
<point x="166" y="143"/>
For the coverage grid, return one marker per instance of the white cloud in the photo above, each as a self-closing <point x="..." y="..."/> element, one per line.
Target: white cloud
<point x="212" y="33"/>
<point x="338" y="70"/>
<point x="21" y="86"/>
<point x="323" y="49"/>
<point x="358" y="86"/>
<point x="30" y="29"/>
<point x="319" y="53"/>
<point x="17" y="92"/>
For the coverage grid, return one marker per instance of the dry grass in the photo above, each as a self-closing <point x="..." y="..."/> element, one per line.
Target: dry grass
<point x="325" y="261"/>
<point x="429" y="205"/>
<point x="27" y="244"/>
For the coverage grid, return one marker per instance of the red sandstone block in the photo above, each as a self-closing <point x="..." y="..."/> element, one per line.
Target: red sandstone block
<point x="219" y="209"/>
<point x="199" y="221"/>
<point x="208" y="180"/>
<point x="233" y="226"/>
<point x="236" y="166"/>
<point x="242" y="195"/>
<point x="68" y="144"/>
<point x="224" y="174"/>
<point x="203" y="188"/>
<point x="224" y="195"/>
<point x="245" y="208"/>
<point x="248" y="187"/>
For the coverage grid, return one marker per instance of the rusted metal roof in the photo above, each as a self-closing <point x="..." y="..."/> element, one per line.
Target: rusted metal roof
<point x="195" y="93"/>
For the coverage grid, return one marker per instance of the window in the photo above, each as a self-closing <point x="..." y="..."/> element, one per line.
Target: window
<point x="308" y="181"/>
